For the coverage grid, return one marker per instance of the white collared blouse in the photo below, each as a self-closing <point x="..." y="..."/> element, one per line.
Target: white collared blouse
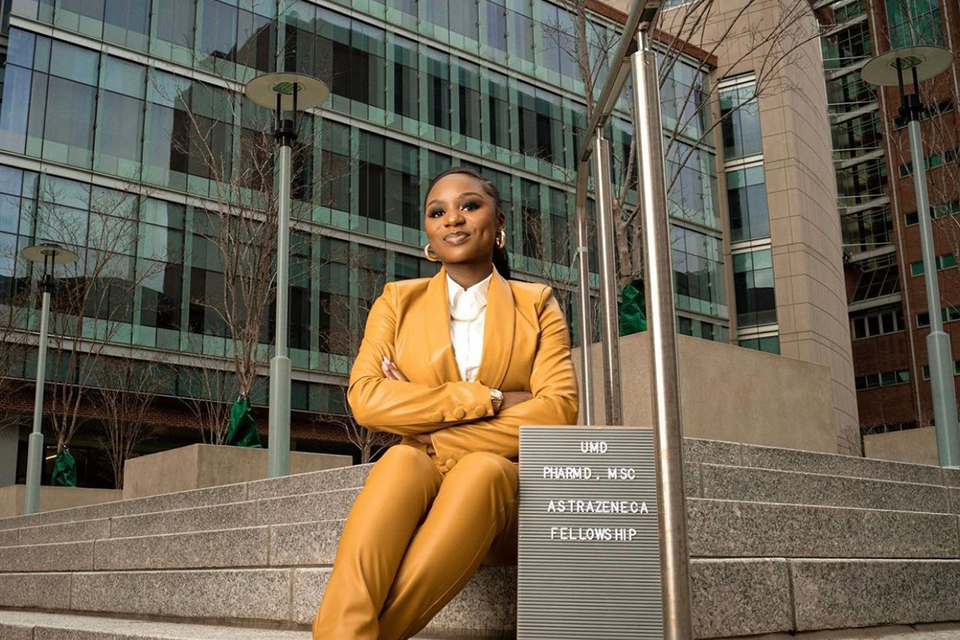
<point x="468" y="310"/>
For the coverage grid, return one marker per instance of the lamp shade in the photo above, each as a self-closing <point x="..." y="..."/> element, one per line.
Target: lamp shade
<point x="264" y="90"/>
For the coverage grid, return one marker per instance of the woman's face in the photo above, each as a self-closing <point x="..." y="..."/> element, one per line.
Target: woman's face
<point x="461" y="220"/>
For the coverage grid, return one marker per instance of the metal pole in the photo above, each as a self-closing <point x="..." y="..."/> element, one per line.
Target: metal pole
<point x="674" y="554"/>
<point x="278" y="458"/>
<point x="613" y="404"/>
<point x="939" y="351"/>
<point x="31" y="503"/>
<point x="583" y="297"/>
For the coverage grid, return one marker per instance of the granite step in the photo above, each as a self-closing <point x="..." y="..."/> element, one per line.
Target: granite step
<point x="305" y="483"/>
<point x="277" y="596"/>
<point x="718" y="528"/>
<point x="324" y="505"/>
<point x="697" y="453"/>
<point x="761" y="457"/>
<point x="18" y="625"/>
<point x="750" y="484"/>
<point x="731" y="597"/>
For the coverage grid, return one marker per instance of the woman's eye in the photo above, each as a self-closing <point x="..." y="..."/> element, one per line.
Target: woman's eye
<point x="435" y="212"/>
<point x="470" y="205"/>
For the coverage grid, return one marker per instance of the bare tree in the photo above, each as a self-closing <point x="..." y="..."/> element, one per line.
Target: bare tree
<point x="125" y="392"/>
<point x="337" y="337"/>
<point x="209" y="393"/>
<point x="236" y="236"/>
<point x="692" y="34"/>
<point x="92" y="304"/>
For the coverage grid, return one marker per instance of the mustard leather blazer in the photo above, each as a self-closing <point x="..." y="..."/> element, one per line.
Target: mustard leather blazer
<point x="526" y="347"/>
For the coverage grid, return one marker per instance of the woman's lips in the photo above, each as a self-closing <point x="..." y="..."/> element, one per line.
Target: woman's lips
<point x="456" y="238"/>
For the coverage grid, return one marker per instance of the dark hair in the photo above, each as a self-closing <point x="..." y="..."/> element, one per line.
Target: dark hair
<point x="500" y="260"/>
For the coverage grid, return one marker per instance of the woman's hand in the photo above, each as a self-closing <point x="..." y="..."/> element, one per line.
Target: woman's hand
<point x="391" y="371"/>
<point x="511" y="398"/>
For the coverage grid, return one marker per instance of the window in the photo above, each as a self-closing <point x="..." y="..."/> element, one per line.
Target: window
<point x="877" y="323"/>
<point x="868" y="229"/>
<point x="120" y="118"/>
<point x="878" y="278"/>
<point x="438" y="89"/>
<point x="495" y="35"/>
<point x="740" y="113"/>
<point x="863" y="182"/>
<point x="403" y="184"/>
<point x="938" y="211"/>
<point x="747" y="200"/>
<point x="520" y="26"/>
<point x="885" y="379"/>
<point x="126" y="23"/>
<point x="698" y="272"/>
<point x="691" y="176"/>
<point x="468" y="90"/>
<point x="753" y="284"/>
<point x="770" y="344"/>
<point x="914" y="23"/>
<point x="463" y="18"/>
<point x="335" y="166"/>
<point x="499" y="107"/>
<point x="947" y="314"/>
<point x="530" y="219"/>
<point x="405" y="83"/>
<point x="372" y="176"/>
<point x="173" y="25"/>
<point x="946" y="261"/>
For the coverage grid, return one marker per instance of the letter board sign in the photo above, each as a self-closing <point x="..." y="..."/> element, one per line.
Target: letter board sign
<point x="589" y="562"/>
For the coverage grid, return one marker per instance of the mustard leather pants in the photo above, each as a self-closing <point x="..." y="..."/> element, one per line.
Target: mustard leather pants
<point x="413" y="539"/>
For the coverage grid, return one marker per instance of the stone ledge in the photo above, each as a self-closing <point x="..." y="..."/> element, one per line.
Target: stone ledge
<point x="746" y="484"/>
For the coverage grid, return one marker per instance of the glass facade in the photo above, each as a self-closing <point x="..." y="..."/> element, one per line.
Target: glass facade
<point x="753" y="283"/>
<point x="145" y="92"/>
<point x="749" y="215"/>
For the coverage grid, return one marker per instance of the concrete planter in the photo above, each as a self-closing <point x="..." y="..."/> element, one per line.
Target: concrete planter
<point x="205" y="465"/>
<point x="918" y="446"/>
<point x="729" y="393"/>
<point x="53" y="498"/>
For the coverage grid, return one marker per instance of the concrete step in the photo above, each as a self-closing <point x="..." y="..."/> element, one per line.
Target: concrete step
<point x="747" y="484"/>
<point x="18" y="625"/>
<point x="288" y="596"/>
<point x="696" y="453"/>
<point x="731" y="529"/>
<point x="327" y="505"/>
<point x="208" y="537"/>
<point x="306" y="483"/>
<point x="731" y="597"/>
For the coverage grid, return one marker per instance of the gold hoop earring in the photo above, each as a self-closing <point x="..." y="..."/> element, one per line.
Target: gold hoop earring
<point x="432" y="257"/>
<point x="501" y="239"/>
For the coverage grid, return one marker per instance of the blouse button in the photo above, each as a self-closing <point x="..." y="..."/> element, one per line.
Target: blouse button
<point x="458" y="413"/>
<point x="436" y="417"/>
<point x="480" y="410"/>
<point x="451" y="463"/>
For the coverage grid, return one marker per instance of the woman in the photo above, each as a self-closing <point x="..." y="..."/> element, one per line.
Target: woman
<point x="454" y="364"/>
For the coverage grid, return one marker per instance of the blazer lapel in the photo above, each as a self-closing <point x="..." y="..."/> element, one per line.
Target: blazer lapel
<point x="498" y="330"/>
<point x="436" y="324"/>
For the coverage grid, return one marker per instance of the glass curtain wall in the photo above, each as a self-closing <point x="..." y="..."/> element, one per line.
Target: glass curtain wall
<point x="749" y="215"/>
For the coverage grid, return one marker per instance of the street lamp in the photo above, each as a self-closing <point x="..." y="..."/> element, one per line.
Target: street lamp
<point x="49" y="255"/>
<point x="283" y="92"/>
<point x="887" y="70"/>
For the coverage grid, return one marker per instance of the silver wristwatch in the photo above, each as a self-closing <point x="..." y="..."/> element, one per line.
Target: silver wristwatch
<point x="496" y="398"/>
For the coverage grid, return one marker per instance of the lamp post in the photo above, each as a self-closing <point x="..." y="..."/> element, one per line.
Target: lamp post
<point x="283" y="92"/>
<point x="49" y="255"/>
<point x="887" y="70"/>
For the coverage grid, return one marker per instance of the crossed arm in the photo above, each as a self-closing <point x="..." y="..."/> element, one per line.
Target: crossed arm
<point x="383" y="400"/>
